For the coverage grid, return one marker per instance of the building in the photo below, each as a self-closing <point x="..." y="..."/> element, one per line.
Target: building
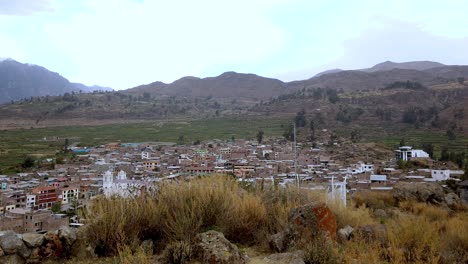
<point x="46" y="196"/>
<point x="407" y="153"/>
<point x="440" y="175"/>
<point x="23" y="220"/>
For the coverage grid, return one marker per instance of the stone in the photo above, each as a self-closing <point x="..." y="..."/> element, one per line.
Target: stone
<point x="12" y="259"/>
<point x="372" y="233"/>
<point x="345" y="233"/>
<point x="451" y="199"/>
<point x="52" y="246"/>
<point x="10" y="242"/>
<point x="305" y="223"/>
<point x="380" y="213"/>
<point x="33" y="239"/>
<point x="67" y="235"/>
<point x="2" y="253"/>
<point x="213" y="248"/>
<point x="295" y="257"/>
<point x="318" y="218"/>
<point x="421" y="192"/>
<point x="278" y="242"/>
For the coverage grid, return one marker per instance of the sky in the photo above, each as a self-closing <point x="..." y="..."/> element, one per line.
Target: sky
<point x="126" y="43"/>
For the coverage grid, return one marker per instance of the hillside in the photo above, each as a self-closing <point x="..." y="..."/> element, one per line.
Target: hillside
<point x="20" y="81"/>
<point x="412" y="65"/>
<point x="229" y="85"/>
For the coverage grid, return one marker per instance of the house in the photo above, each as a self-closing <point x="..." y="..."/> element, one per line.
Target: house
<point x="406" y="153"/>
<point x="440" y="175"/>
<point x="46" y="196"/>
<point x="68" y="194"/>
<point x="23" y="220"/>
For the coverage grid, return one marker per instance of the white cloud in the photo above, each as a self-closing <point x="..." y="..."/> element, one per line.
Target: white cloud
<point x="24" y="7"/>
<point x="134" y="43"/>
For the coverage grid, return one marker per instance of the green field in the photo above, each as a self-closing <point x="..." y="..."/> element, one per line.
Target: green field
<point x="16" y="145"/>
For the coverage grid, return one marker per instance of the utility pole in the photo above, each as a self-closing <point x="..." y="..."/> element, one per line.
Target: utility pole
<point x="295" y="156"/>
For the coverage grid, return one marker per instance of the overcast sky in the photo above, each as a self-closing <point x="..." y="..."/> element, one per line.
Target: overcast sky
<point x="125" y="43"/>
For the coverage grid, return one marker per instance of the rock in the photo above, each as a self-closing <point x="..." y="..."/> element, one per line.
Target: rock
<point x="67" y="235"/>
<point x="316" y="218"/>
<point x="148" y="246"/>
<point x="34" y="257"/>
<point x="451" y="199"/>
<point x="380" y="213"/>
<point x="279" y="242"/>
<point x="305" y="223"/>
<point x="81" y="249"/>
<point x="12" y="259"/>
<point x="421" y="192"/>
<point x="345" y="233"/>
<point x="52" y="246"/>
<point x="33" y="239"/>
<point x="213" y="248"/>
<point x="10" y="242"/>
<point x="296" y="257"/>
<point x="372" y="233"/>
<point x="2" y="253"/>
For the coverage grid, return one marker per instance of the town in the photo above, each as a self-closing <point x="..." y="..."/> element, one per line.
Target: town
<point x="43" y="200"/>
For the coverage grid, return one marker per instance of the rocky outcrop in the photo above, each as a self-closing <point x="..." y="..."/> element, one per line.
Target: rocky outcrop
<point x="305" y="223"/>
<point x="213" y="248"/>
<point x="34" y="248"/>
<point x="420" y="192"/>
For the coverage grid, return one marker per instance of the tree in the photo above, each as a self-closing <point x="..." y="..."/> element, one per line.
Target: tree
<point x="56" y="207"/>
<point x="300" y="119"/>
<point x="402" y="142"/>
<point x="289" y="133"/>
<point x="27" y="163"/>
<point x="260" y="136"/>
<point x="444" y="154"/>
<point x="461" y="80"/>
<point x="312" y="129"/>
<point x="429" y="148"/>
<point x="355" y="136"/>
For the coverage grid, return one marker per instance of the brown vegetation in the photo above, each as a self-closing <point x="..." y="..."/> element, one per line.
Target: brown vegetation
<point x="171" y="217"/>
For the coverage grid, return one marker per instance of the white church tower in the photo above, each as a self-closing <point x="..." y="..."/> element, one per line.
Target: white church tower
<point x="122" y="175"/>
<point x="108" y="180"/>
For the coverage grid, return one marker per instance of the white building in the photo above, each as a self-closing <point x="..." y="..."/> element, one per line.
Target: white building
<point x="121" y="186"/>
<point x="440" y="175"/>
<point x="406" y="153"/>
<point x="30" y="200"/>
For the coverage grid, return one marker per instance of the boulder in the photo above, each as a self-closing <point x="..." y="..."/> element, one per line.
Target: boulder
<point x="52" y="246"/>
<point x="295" y="257"/>
<point x="12" y="259"/>
<point x="33" y="239"/>
<point x="67" y="235"/>
<point x="11" y="243"/>
<point x="305" y="223"/>
<point x="380" y="213"/>
<point x="372" y="233"/>
<point x="451" y="199"/>
<point x="213" y="248"/>
<point x="2" y="253"/>
<point x="421" y="192"/>
<point x="345" y="233"/>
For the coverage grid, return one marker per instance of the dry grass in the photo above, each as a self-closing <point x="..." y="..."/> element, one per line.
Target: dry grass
<point x="416" y="232"/>
<point x="178" y="211"/>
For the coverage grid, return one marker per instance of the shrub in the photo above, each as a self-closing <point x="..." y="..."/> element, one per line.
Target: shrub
<point x="374" y="200"/>
<point x="320" y="250"/>
<point x="179" y="252"/>
<point x="455" y="241"/>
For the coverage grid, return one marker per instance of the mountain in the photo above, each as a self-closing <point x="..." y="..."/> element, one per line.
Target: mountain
<point x="230" y="85"/>
<point x="412" y="65"/>
<point x="89" y="89"/>
<point x="327" y="72"/>
<point x="19" y="81"/>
